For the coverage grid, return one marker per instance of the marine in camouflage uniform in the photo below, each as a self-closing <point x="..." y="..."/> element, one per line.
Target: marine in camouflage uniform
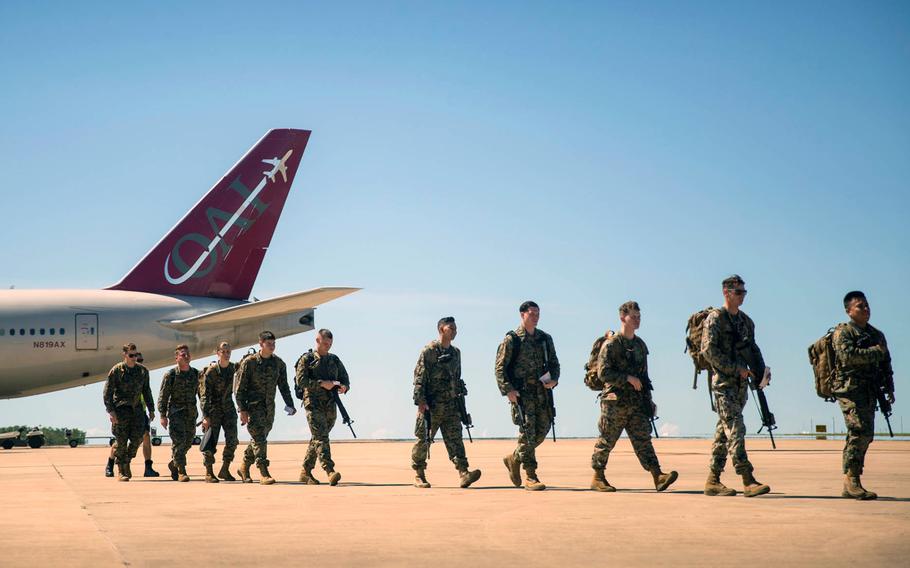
<point x="177" y="407"/>
<point x="257" y="379"/>
<point x="125" y="389"/>
<point x="437" y="387"/>
<point x="315" y="368"/>
<point x="625" y="401"/>
<point x="863" y="364"/>
<point x="725" y="329"/>
<point x="522" y="359"/>
<point x="217" y="402"/>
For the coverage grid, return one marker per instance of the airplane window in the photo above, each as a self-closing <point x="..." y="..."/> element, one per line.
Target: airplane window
<point x="52" y="330"/>
<point x="41" y="331"/>
<point x="21" y="331"/>
<point x="31" y="331"/>
<point x="12" y="332"/>
<point x="62" y="331"/>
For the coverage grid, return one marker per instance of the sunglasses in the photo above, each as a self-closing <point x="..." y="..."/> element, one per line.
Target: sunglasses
<point x="740" y="292"/>
<point x="133" y="355"/>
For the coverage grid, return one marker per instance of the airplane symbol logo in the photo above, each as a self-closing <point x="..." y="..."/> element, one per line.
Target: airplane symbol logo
<point x="278" y="166"/>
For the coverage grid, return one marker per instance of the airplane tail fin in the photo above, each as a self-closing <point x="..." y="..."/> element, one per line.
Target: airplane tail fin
<point x="217" y="248"/>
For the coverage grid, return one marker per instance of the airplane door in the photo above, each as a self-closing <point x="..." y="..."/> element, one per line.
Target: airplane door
<point x="87" y="331"/>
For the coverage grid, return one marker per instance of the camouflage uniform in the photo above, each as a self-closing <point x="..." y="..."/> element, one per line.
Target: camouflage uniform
<point x="319" y="403"/>
<point x="177" y="402"/>
<point x="437" y="382"/>
<point x="536" y="354"/>
<point x="858" y="372"/>
<point x="254" y="390"/>
<point x="724" y="332"/>
<point x="621" y="406"/>
<point x="124" y="392"/>
<point x="215" y="396"/>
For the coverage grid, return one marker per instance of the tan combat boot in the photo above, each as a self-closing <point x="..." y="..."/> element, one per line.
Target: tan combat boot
<point x="533" y="483"/>
<point x="468" y="477"/>
<point x="306" y="476"/>
<point x="173" y="469"/>
<point x="600" y="483"/>
<point x="123" y="476"/>
<point x="663" y="480"/>
<point x="181" y="474"/>
<point x="265" y="477"/>
<point x="209" y="474"/>
<point x="127" y="470"/>
<point x="420" y="480"/>
<point x="334" y="477"/>
<point x="751" y="487"/>
<point x="244" y="472"/>
<point x="714" y="488"/>
<point x="514" y="469"/>
<point x="853" y="489"/>
<point x="225" y="473"/>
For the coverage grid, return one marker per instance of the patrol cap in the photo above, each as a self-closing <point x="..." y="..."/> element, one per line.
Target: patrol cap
<point x="266" y="336"/>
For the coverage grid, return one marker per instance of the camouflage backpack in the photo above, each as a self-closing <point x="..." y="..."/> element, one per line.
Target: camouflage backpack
<point x="824" y="364"/>
<point x="305" y="360"/>
<point x="592" y="367"/>
<point x="695" y="328"/>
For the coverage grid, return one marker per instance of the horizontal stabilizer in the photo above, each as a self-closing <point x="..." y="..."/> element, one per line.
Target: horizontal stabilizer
<point x="273" y="307"/>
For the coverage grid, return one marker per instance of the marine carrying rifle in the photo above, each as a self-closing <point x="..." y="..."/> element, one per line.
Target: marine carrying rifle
<point x="345" y="417"/>
<point x="465" y="417"/>
<point x="767" y="417"/>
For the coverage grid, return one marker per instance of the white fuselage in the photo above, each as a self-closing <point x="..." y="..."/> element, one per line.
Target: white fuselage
<point x="56" y="339"/>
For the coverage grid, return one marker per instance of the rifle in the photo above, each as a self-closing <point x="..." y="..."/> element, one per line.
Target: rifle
<point x="764" y="412"/>
<point x="465" y="417"/>
<point x="647" y="401"/>
<point x="345" y="417"/>
<point x="552" y="403"/>
<point x="883" y="379"/>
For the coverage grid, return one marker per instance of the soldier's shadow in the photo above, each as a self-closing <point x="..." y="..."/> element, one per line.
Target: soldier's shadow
<point x="832" y="497"/>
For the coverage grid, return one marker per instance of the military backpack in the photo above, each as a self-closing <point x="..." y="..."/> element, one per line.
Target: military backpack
<point x="592" y="367"/>
<point x="305" y="360"/>
<point x="824" y="364"/>
<point x="695" y="329"/>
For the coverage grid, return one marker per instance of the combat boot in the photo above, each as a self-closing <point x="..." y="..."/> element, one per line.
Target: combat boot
<point x="149" y="472"/>
<point x="109" y="468"/>
<point x="751" y="487"/>
<point x="173" y="469"/>
<point x="853" y="489"/>
<point x="209" y="474"/>
<point x="225" y="473"/>
<point x="126" y="468"/>
<point x="306" y="476"/>
<point x="420" y="480"/>
<point x="514" y="469"/>
<point x="532" y="483"/>
<point x="123" y="476"/>
<point x="600" y="483"/>
<point x="663" y="480"/>
<point x="334" y="477"/>
<point x="714" y="488"/>
<point x="468" y="477"/>
<point x="181" y="474"/>
<point x="264" y="477"/>
<point x="244" y="472"/>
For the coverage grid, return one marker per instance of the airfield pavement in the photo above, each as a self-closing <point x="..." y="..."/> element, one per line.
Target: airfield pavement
<point x="59" y="510"/>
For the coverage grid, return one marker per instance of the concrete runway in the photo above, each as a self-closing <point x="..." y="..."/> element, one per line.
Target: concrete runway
<point x="59" y="510"/>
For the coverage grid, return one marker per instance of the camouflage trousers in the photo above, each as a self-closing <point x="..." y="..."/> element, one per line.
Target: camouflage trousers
<point x="730" y="434"/>
<point x="262" y="416"/>
<point x="228" y="423"/>
<point x="535" y="429"/>
<point x="445" y="417"/>
<point x="128" y="433"/>
<point x="616" y="416"/>
<point x="321" y="419"/>
<point x="859" y="416"/>
<point x="182" y="429"/>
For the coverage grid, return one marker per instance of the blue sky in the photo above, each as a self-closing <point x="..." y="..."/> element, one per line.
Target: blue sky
<point x="466" y="157"/>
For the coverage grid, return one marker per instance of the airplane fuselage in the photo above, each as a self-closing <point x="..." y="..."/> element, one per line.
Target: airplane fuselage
<point x="56" y="339"/>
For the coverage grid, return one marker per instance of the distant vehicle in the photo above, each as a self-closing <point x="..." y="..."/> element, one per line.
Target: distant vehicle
<point x="34" y="438"/>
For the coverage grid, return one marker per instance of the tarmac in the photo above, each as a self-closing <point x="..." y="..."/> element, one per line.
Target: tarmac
<point x="59" y="510"/>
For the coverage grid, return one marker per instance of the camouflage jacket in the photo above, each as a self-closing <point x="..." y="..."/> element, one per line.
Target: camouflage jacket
<point x="216" y="388"/>
<point x="725" y="339"/>
<point x="257" y="379"/>
<point x="619" y="358"/>
<point x="178" y="392"/>
<point x="437" y="376"/>
<point x="311" y="368"/>
<point x="536" y="355"/>
<point x="126" y="387"/>
<point x="857" y="364"/>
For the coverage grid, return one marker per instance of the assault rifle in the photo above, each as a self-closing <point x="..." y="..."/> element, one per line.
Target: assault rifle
<point x="552" y="404"/>
<point x="884" y="380"/>
<point x="465" y="417"/>
<point x="758" y="371"/>
<point x="647" y="401"/>
<point x="345" y="417"/>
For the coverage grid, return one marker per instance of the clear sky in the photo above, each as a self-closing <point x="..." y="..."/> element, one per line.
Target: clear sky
<point x="468" y="156"/>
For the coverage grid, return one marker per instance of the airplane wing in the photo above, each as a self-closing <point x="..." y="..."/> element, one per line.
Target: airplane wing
<point x="273" y="307"/>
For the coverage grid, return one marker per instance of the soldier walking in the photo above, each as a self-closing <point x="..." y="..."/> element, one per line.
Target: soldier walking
<point x="437" y="386"/>
<point x="216" y="387"/>
<point x="127" y="384"/>
<point x="526" y="368"/>
<point x="177" y="407"/>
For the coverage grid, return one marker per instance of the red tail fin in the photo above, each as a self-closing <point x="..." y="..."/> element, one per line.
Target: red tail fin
<point x="217" y="248"/>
